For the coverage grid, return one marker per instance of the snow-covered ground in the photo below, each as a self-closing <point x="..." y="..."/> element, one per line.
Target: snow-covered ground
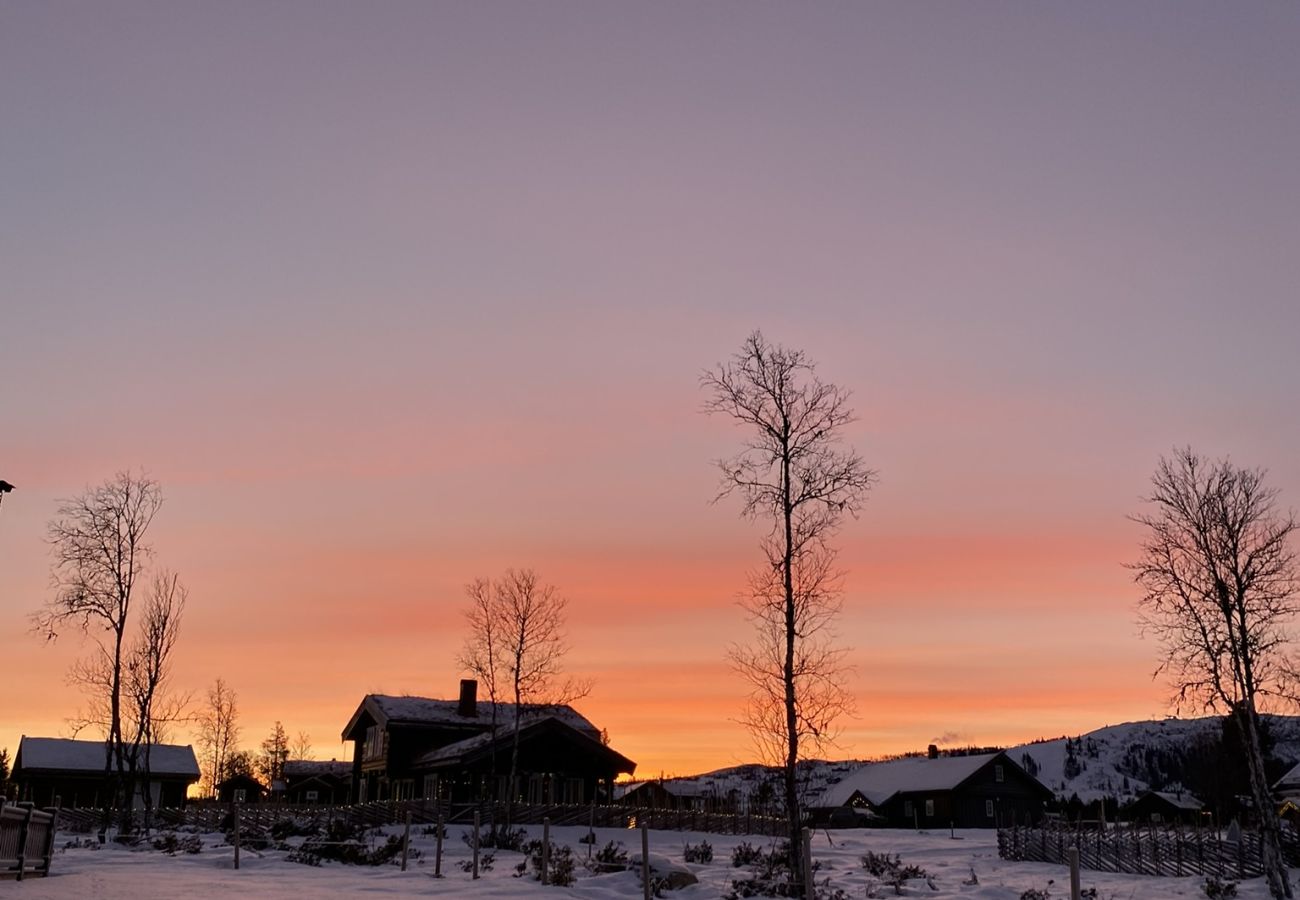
<point x="117" y="873"/>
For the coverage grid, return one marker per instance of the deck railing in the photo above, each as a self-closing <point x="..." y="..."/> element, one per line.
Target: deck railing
<point x="26" y="839"/>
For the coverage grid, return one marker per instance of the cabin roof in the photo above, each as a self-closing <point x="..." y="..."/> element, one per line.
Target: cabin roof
<point x="877" y="782"/>
<point x="386" y="709"/>
<point x="313" y="768"/>
<point x="68" y="755"/>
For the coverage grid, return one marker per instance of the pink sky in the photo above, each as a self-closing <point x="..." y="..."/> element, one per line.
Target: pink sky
<point x="392" y="298"/>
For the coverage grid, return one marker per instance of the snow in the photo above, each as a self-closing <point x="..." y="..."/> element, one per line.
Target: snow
<point x="880" y="781"/>
<point x="117" y="873"/>
<point x="430" y="711"/>
<point x="38" y="753"/>
<point x="303" y="768"/>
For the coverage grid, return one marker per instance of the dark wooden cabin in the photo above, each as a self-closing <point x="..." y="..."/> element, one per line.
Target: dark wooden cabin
<point x="408" y="747"/>
<point x="73" y="772"/>
<point x="1165" y="808"/>
<point x="977" y="791"/>
<point x="241" y="789"/>
<point x="309" y="781"/>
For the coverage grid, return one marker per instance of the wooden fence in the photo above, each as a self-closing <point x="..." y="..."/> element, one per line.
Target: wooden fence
<point x="26" y="840"/>
<point x="211" y="816"/>
<point x="1147" y="850"/>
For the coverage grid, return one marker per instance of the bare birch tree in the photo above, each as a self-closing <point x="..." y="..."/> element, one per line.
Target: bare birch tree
<point x="792" y="474"/>
<point x="517" y="643"/>
<point x="218" y="734"/>
<point x="1218" y="572"/>
<point x="301" y="747"/>
<point x="100" y="553"/>
<point x="483" y="653"/>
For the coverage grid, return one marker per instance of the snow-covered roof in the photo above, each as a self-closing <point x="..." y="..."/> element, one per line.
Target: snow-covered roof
<point x="427" y="711"/>
<point x="64" y="754"/>
<point x="674" y="788"/>
<point x="459" y="749"/>
<point x="877" y="782"/>
<point x="307" y="768"/>
<point x="1290" y="781"/>
<point x="1182" y="801"/>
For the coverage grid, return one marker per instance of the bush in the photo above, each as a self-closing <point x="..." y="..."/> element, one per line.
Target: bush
<point x="609" y="858"/>
<point x="169" y="843"/>
<point x="560" y="872"/>
<point x="432" y="831"/>
<point x="485" y="861"/>
<point x="498" y="839"/>
<point x="698" y="853"/>
<point x="347" y="844"/>
<point x="745" y="854"/>
<point x="290" y="827"/>
<point x="891" y="871"/>
<point x="1219" y="890"/>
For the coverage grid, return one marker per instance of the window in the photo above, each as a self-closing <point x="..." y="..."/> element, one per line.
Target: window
<point x="929" y="809"/>
<point x="908" y="810"/>
<point x="988" y="808"/>
<point x="313" y="796"/>
<point x="431" y="787"/>
<point x="999" y="774"/>
<point x="374" y="742"/>
<point x="240" y="794"/>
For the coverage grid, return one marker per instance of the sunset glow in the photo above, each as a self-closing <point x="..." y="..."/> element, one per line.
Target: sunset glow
<point x="392" y="297"/>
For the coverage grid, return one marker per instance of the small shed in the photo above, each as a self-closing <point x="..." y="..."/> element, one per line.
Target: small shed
<point x="1165" y="808"/>
<point x="76" y="772"/>
<point x="309" y="781"/>
<point x="241" y="789"/>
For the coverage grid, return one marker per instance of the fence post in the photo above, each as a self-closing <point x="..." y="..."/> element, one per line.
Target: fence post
<point x="22" y="839"/>
<point x="49" y="835"/>
<point x="808" y="890"/>
<point x="645" y="860"/>
<point x="475" y="843"/>
<point x="591" y="830"/>
<point x="437" y="853"/>
<point x="235" y="825"/>
<point x="406" y="839"/>
<point x="1074" y="873"/>
<point x="546" y="847"/>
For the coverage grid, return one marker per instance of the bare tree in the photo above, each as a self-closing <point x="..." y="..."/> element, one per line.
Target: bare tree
<point x="483" y="654"/>
<point x="792" y="474"/>
<point x="301" y="747"/>
<point x="100" y="552"/>
<point x="517" y="645"/>
<point x="1219" y="578"/>
<point x="218" y="734"/>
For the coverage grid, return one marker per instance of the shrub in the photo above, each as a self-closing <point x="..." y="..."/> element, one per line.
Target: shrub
<point x="1219" y="890"/>
<point x="290" y="827"/>
<point x="698" y="853"/>
<point x="891" y="871"/>
<point x="485" y="861"/>
<point x="169" y="843"/>
<point x="745" y="854"/>
<point x="497" y="838"/>
<point x="560" y="859"/>
<point x="609" y="858"/>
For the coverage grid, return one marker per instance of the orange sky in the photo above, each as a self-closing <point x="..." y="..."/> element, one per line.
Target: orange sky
<point x="389" y="298"/>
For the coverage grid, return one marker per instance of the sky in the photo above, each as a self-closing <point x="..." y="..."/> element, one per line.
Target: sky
<point x="392" y="297"/>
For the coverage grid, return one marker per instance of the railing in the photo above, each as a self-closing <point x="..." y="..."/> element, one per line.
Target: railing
<point x="26" y="840"/>
<point x="211" y="816"/>
<point x="1147" y="850"/>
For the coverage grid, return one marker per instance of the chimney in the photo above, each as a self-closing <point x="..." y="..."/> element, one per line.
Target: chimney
<point x="931" y="751"/>
<point x="468" y="698"/>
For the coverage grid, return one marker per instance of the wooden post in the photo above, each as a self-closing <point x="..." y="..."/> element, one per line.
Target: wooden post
<point x="475" y="844"/>
<point x="49" y="835"/>
<point x="645" y="860"/>
<point x="406" y="839"/>
<point x="1074" y="873"/>
<point x="235" y="823"/>
<point x="437" y="853"/>
<point x="591" y="830"/>
<point x="22" y="838"/>
<point x="808" y="889"/>
<point x="546" y="847"/>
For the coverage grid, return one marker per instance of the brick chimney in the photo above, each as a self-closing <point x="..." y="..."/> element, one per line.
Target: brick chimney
<point x="931" y="751"/>
<point x="468" y="698"/>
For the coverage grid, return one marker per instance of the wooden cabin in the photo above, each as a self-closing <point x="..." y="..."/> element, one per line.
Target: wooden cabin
<point x="241" y="789"/>
<point x="309" y="781"/>
<point x="409" y="747"/>
<point x="74" y="772"/>
<point x="1165" y="808"/>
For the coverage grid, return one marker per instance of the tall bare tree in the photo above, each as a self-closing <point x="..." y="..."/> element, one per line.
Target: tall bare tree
<point x="517" y="644"/>
<point x="793" y="474"/>
<point x="218" y="734"/>
<point x="483" y="654"/>
<point x="100" y="553"/>
<point x="1218" y="572"/>
<point x="301" y="747"/>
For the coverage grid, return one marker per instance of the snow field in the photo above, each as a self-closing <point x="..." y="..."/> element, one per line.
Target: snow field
<point x="119" y="873"/>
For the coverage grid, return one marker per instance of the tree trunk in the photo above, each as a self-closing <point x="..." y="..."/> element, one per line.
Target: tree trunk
<point x="791" y="713"/>
<point x="1275" y="871"/>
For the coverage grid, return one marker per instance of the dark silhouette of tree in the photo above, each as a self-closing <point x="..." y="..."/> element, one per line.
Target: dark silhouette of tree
<point x="792" y="474"/>
<point x="275" y="751"/>
<point x="1219" y="579"/>
<point x="100" y="553"/>
<point x="218" y="735"/>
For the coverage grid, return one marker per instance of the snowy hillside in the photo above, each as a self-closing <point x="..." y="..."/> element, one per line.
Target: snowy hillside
<point x="1119" y="761"/>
